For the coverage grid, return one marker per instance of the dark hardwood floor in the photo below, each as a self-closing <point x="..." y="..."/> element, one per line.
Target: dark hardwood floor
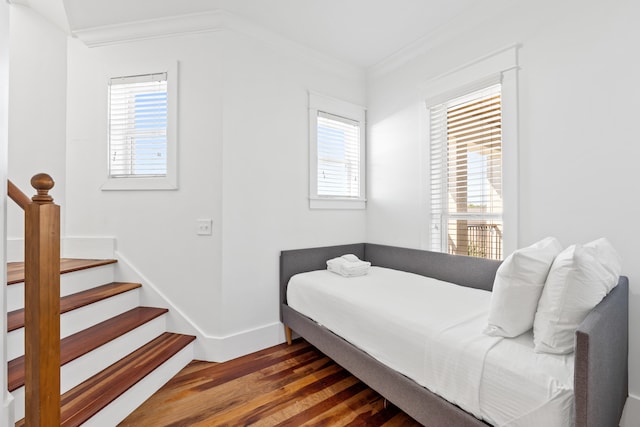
<point x="281" y="386"/>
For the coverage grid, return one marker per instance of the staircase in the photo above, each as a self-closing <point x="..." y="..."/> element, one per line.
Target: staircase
<point x="114" y="353"/>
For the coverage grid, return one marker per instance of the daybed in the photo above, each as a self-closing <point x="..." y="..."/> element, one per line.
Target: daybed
<point x="600" y="367"/>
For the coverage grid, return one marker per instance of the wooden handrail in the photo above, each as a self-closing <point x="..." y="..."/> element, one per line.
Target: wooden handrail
<point x="42" y="303"/>
<point x="17" y="195"/>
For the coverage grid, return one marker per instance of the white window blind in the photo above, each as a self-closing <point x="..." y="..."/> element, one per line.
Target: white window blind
<point x="466" y="174"/>
<point x="138" y="117"/>
<point x="338" y="144"/>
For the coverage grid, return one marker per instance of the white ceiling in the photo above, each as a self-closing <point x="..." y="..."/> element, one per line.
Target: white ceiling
<point x="358" y="32"/>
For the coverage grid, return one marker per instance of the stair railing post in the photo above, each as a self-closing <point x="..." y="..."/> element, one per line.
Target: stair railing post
<point x="42" y="306"/>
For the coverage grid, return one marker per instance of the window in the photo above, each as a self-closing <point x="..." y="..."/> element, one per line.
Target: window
<point x="471" y="169"/>
<point x="337" y="154"/>
<point x="466" y="174"/>
<point x="138" y="126"/>
<point x="141" y="132"/>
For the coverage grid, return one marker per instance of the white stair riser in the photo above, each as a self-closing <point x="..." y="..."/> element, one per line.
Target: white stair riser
<point x="79" y="370"/>
<point x="70" y="283"/>
<point x="124" y="405"/>
<point x="79" y="319"/>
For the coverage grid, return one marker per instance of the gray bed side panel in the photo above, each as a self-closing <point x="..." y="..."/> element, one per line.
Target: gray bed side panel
<point x="297" y="261"/>
<point x="467" y="271"/>
<point x="601" y="363"/>
<point x="427" y="408"/>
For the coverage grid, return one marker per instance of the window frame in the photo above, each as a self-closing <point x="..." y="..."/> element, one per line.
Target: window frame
<point x="500" y="67"/>
<point x="352" y="112"/>
<point x="170" y="180"/>
<point x="441" y="209"/>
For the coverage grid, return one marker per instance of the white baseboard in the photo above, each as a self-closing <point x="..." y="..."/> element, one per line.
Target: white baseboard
<point x="7" y="418"/>
<point x="70" y="247"/>
<point x="631" y="413"/>
<point x="206" y="347"/>
<point x="242" y="343"/>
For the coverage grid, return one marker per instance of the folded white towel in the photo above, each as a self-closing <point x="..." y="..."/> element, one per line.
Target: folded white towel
<point x="348" y="266"/>
<point x="351" y="258"/>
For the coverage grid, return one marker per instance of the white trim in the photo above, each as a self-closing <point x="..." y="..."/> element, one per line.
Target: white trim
<point x="510" y="162"/>
<point x="476" y="13"/>
<point x="353" y="111"/>
<point x="139" y="184"/>
<point x="152" y="28"/>
<point x="329" y="203"/>
<point x="170" y="182"/>
<point x="245" y="342"/>
<point x="356" y="113"/>
<point x="7" y="414"/>
<point x="500" y="66"/>
<point x="475" y="74"/>
<point x="207" y="22"/>
<point x="631" y="412"/>
<point x="206" y="347"/>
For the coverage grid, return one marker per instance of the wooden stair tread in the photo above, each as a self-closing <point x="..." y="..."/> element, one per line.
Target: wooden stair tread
<point x="89" y="339"/>
<point x="15" y="319"/>
<point x="15" y="270"/>
<point x="87" y="399"/>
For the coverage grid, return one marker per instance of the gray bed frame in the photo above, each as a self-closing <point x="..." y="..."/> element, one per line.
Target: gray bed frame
<point x="600" y="378"/>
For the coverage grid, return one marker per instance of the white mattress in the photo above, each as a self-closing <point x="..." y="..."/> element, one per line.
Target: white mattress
<point x="431" y="331"/>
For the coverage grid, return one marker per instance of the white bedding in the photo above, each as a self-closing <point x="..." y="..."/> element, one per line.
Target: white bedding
<point x="431" y="331"/>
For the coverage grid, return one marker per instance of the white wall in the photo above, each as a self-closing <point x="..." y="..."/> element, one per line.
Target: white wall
<point x="578" y="106"/>
<point x="5" y="399"/>
<point x="243" y="159"/>
<point x="37" y="104"/>
<point x="155" y="230"/>
<point x="33" y="79"/>
<point x="265" y="174"/>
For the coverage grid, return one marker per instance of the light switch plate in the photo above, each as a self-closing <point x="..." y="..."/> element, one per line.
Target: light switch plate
<point x="204" y="227"/>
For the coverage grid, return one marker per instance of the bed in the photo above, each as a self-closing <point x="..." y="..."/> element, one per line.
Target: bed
<point x="599" y="362"/>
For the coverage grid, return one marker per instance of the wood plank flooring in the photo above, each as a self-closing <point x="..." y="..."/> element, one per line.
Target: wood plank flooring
<point x="284" y="385"/>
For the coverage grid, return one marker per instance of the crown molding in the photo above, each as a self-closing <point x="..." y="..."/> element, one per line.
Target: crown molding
<point x="151" y="29"/>
<point x="475" y="16"/>
<point x="217" y="20"/>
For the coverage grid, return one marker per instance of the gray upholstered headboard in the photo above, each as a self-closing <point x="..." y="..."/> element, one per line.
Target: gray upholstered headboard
<point x="463" y="270"/>
<point x="302" y="260"/>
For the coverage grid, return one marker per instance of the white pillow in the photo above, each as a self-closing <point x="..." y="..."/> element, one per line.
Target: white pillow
<point x="518" y="286"/>
<point x="580" y="277"/>
<point x="609" y="258"/>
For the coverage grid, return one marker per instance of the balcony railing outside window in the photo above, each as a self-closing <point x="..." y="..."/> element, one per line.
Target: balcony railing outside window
<point x="475" y="238"/>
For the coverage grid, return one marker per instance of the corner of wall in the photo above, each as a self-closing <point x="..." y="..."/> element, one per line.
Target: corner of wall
<point x="631" y="413"/>
<point x="207" y="347"/>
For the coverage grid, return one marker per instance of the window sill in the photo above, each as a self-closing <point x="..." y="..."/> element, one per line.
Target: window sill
<point x="139" y="184"/>
<point x="337" y="203"/>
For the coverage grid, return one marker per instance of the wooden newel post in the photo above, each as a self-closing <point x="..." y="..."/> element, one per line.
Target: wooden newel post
<point x="42" y="306"/>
